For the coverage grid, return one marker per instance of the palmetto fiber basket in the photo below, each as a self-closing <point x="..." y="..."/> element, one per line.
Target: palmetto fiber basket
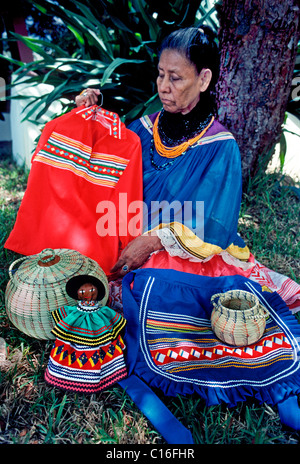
<point x="37" y="287"/>
<point x="238" y="318"/>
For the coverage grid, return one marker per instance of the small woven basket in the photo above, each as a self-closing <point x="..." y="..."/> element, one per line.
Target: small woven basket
<point x="37" y="287"/>
<point x="238" y="318"/>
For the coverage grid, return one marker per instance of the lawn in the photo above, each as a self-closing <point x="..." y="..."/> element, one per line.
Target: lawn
<point x="31" y="412"/>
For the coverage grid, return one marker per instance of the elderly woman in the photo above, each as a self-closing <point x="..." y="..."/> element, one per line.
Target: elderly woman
<point x="188" y="156"/>
<point x="191" y="173"/>
<point x="192" y="193"/>
<point x="189" y="179"/>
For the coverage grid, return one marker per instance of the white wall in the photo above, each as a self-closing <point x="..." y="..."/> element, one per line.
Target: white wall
<point x="24" y="134"/>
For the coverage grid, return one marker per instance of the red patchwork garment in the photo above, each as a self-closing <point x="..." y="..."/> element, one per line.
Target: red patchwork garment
<point x="86" y="172"/>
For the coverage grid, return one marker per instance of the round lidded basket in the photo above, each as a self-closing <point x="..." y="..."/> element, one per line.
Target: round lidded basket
<point x="38" y="286"/>
<point x="238" y="318"/>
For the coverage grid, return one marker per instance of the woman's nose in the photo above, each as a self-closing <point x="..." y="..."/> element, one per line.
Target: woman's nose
<point x="164" y="85"/>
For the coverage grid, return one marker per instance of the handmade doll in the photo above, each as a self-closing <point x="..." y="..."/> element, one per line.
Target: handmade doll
<point x="87" y="355"/>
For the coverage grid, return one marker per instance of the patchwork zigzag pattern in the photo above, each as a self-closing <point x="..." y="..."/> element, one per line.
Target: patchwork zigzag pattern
<point x="284" y="286"/>
<point x="86" y="388"/>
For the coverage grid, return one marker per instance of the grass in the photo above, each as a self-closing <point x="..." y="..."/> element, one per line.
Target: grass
<point x="269" y="223"/>
<point x="33" y="413"/>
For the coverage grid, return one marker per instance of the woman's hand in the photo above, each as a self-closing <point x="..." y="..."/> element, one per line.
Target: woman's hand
<point x="88" y="98"/>
<point x="135" y="254"/>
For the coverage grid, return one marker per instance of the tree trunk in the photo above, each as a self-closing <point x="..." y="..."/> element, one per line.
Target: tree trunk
<point x="258" y="43"/>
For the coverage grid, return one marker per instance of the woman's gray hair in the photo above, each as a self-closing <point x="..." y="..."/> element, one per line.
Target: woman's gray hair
<point x="200" y="47"/>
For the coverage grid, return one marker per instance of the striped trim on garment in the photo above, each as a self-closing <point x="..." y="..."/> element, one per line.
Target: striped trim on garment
<point x="205" y="249"/>
<point x="66" y="153"/>
<point x="63" y="331"/>
<point x="172" y="360"/>
<point x="86" y="382"/>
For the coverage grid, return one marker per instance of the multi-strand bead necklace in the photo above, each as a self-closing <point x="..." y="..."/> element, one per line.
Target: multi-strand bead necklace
<point x="173" y="152"/>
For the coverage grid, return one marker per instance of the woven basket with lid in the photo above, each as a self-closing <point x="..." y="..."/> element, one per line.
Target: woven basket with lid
<point x="238" y="318"/>
<point x="37" y="287"/>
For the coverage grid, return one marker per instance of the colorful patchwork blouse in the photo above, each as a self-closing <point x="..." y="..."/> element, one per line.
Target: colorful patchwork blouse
<point x="87" y="165"/>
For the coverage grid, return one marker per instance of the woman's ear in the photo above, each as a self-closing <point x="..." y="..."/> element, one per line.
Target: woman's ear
<point x="205" y="77"/>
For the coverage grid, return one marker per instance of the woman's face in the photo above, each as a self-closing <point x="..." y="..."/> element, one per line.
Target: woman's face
<point x="179" y="84"/>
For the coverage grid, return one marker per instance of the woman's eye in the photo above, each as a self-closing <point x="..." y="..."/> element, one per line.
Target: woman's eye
<point x="171" y="78"/>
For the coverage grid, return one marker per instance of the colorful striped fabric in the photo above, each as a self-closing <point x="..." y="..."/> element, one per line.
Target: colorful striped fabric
<point x="172" y="345"/>
<point x="87" y="355"/>
<point x="85" y="370"/>
<point x="69" y="154"/>
<point x="98" y="327"/>
<point x="85" y="163"/>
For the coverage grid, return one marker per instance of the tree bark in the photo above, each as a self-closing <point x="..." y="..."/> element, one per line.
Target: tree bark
<point x="258" y="43"/>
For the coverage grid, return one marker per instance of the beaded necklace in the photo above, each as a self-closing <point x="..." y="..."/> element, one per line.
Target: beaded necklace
<point x="163" y="166"/>
<point x="178" y="150"/>
<point x="88" y="306"/>
<point x="175" y="128"/>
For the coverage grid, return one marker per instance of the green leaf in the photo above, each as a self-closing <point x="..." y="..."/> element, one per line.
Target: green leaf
<point x="120" y="24"/>
<point x="33" y="45"/>
<point x="11" y="60"/>
<point x="115" y="64"/>
<point x="36" y="105"/>
<point x="60" y="411"/>
<point x="153" y="105"/>
<point x="40" y="8"/>
<point x="282" y="150"/>
<point x="46" y="44"/>
<point x="140" y="6"/>
<point x="104" y="35"/>
<point x="77" y="34"/>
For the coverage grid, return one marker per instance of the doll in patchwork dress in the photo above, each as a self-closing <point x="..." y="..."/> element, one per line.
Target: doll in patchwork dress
<point x="87" y="355"/>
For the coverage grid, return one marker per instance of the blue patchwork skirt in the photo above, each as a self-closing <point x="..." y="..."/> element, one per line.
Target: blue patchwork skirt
<point x="171" y="345"/>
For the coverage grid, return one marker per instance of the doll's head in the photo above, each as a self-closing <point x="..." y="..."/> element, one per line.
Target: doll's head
<point x="87" y="287"/>
<point x="88" y="292"/>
